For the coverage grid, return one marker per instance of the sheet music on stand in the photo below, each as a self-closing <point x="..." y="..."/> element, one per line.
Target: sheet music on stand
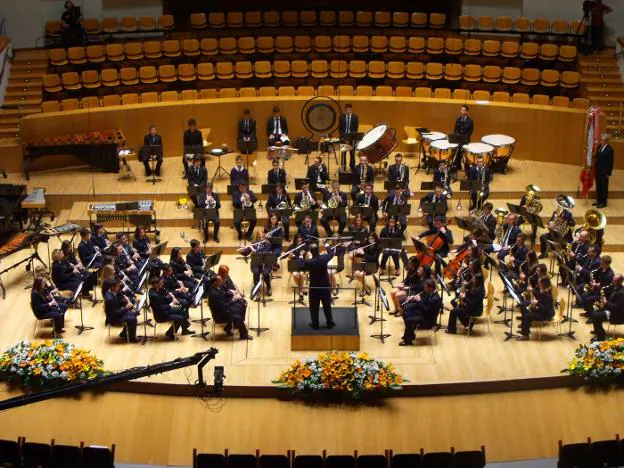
<point x="395" y="185"/>
<point x="142" y="301"/>
<point x="199" y="294"/>
<point x="348" y="178"/>
<point x="434" y="208"/>
<point x="142" y="281"/>
<point x="365" y="211"/>
<point x="399" y="210"/>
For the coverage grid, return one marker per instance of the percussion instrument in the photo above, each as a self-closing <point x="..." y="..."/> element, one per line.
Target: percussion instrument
<point x="35" y="200"/>
<point x="428" y="138"/>
<point x="503" y="145"/>
<point x="473" y="150"/>
<point x="62" y="229"/>
<point x="140" y="212"/>
<point x="442" y="150"/>
<point x="378" y="143"/>
<point x="282" y="152"/>
<point x="19" y="241"/>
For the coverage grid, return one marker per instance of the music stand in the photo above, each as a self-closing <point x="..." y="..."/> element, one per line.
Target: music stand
<point x="78" y="297"/>
<point x="509" y="288"/>
<point x="268" y="188"/>
<point x="195" y="150"/>
<point x="197" y="301"/>
<point x="244" y="214"/>
<point x="334" y="213"/>
<point x="368" y="269"/>
<point x="365" y="211"/>
<point x="504" y="308"/>
<point x="572" y="288"/>
<point x="232" y="189"/>
<point x="381" y="303"/>
<point x="473" y="186"/>
<point x="301" y="214"/>
<point x="212" y="260"/>
<point x="465" y="224"/>
<point x="220" y="171"/>
<point x="394" y="245"/>
<point x="153" y="160"/>
<point x="348" y="178"/>
<point x="395" y="185"/>
<point x="193" y="191"/>
<point x="399" y="210"/>
<point x="261" y="260"/>
<point x="434" y="208"/>
<point x="428" y="185"/>
<point x="142" y="305"/>
<point x="299" y="183"/>
<point x="247" y="147"/>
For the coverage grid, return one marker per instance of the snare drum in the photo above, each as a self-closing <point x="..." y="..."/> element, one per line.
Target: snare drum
<point x="503" y="145"/>
<point x="378" y="143"/>
<point x="473" y="150"/>
<point x="442" y="150"/>
<point x="428" y="138"/>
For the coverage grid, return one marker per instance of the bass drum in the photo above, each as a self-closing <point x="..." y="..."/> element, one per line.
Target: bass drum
<point x="378" y="143"/>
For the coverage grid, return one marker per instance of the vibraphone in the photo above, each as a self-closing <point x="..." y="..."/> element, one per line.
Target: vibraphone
<point x="135" y="213"/>
<point x="36" y="203"/>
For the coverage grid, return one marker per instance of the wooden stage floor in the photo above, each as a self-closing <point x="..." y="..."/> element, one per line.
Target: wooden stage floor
<point x="481" y="357"/>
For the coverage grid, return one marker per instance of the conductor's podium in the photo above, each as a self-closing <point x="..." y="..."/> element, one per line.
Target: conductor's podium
<point x="345" y="336"/>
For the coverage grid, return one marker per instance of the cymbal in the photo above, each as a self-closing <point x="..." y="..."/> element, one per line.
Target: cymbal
<point x="330" y="140"/>
<point x="344" y="147"/>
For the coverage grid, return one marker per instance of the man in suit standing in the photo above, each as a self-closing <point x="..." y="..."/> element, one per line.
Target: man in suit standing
<point x="348" y="124"/>
<point x="319" y="285"/>
<point x="203" y="202"/>
<point x="193" y="142"/>
<point x="464" y="126"/>
<point x="277" y="128"/>
<point x="152" y="147"/>
<point x="246" y="133"/>
<point x="317" y="174"/>
<point x="119" y="310"/>
<point x="611" y="310"/>
<point x="277" y="175"/>
<point x="604" y="169"/>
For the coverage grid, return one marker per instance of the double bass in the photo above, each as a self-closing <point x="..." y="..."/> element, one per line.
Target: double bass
<point x="455" y="265"/>
<point x="434" y="243"/>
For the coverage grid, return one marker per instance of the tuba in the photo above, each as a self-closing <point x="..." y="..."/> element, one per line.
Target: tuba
<point x="501" y="213"/>
<point x="559" y="225"/>
<point x="593" y="220"/>
<point x="533" y="204"/>
<point x="246" y="200"/>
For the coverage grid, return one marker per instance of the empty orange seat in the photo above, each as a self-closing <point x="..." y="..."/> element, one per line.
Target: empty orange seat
<point x="271" y="19"/>
<point x="521" y="98"/>
<point x="305" y="91"/>
<point x="341" y="44"/>
<point x="548" y="52"/>
<point x="530" y="76"/>
<point x="234" y="19"/>
<point x="110" y="25"/>
<point x="357" y="69"/>
<point x="319" y="69"/>
<point x="453" y="46"/>
<point x="188" y="95"/>
<point x="265" y="44"/>
<point x="485" y="23"/>
<point x="491" y="74"/>
<point x="325" y="90"/>
<point x="70" y="104"/>
<point x="205" y="71"/>
<point x="281" y="69"/>
<point x="246" y="45"/>
<point x="338" y="69"/>
<point x="364" y="19"/>
<point x="462" y="94"/>
<point x="128" y="24"/>
<point x="400" y="19"/>
<point x="560" y="26"/>
<point x="225" y="70"/>
<point x="58" y="57"/>
<point x="327" y="18"/>
<point x="442" y="93"/>
<point x="453" y="72"/>
<point x="307" y="18"/>
<point x="561" y="101"/>
<point x="208" y="93"/>
<point x="379" y="44"/>
<point x="253" y="19"/>
<point x="434" y="71"/>
<point x="190" y="47"/>
<point x="147" y="23"/>
<point x="570" y="79"/>
<point x="71" y="81"/>
<point x="270" y="91"/>
<point x="228" y="93"/>
<point x="148" y="75"/>
<point x="472" y="47"/>
<point x="364" y="90"/>
<point x="110" y="77"/>
<point x="529" y="50"/>
<point x="216" y="20"/>
<point x="541" y="25"/>
<point x="385" y="91"/>
<point x="491" y="48"/>
<point x="262" y="69"/>
<point x="382" y="19"/>
<point x="149" y="98"/>
<point x="90" y="79"/>
<point x="290" y="18"/>
<point x="134" y="51"/>
<point x="360" y="44"/>
<point x="115" y="100"/>
<point x="435" y="45"/>
<point x="92" y="26"/>
<point x="115" y="53"/>
<point x="503" y="24"/>
<point x="416" y="45"/>
<point x="228" y="46"/>
<point x="376" y="69"/>
<point x="166" y="22"/>
<point x="578" y="27"/>
<point x="511" y="75"/>
<point x="580" y="103"/>
<point x="186" y="72"/>
<point x="199" y="21"/>
<point x="567" y="53"/>
<point x="284" y="91"/>
<point x="437" y="20"/>
<point x="403" y="91"/>
<point x="303" y="44"/>
<point x="322" y="44"/>
<point x="152" y="49"/>
<point x="397" y="44"/>
<point x="247" y="92"/>
<point x="346" y="90"/>
<point x="480" y="95"/>
<point x="284" y="44"/>
<point x="540" y="100"/>
<point x="510" y="49"/>
<point x="169" y="96"/>
<point x="550" y="78"/>
<point x="167" y="73"/>
<point x="53" y="28"/>
<point x="472" y="72"/>
<point x="415" y="71"/>
<point x="422" y="92"/>
<point x="50" y="106"/>
<point x="522" y="24"/>
<point x="418" y="20"/>
<point x="466" y="23"/>
<point x="299" y="69"/>
<point x="395" y="70"/>
<point x="129" y="76"/>
<point x="77" y="55"/>
<point x="96" y="53"/>
<point x="52" y="83"/>
<point x="500" y="96"/>
<point x="209" y="46"/>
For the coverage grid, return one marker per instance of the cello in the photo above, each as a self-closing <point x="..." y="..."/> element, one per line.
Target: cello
<point x="453" y="267"/>
<point x="434" y="243"/>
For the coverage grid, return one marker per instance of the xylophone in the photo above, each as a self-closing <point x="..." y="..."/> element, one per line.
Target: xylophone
<point x="140" y="212"/>
<point x="20" y="241"/>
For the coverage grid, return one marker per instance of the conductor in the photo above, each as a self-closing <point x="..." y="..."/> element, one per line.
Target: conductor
<point x="319" y="285"/>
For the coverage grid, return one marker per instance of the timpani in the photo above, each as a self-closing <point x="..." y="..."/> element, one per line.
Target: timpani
<point x="474" y="150"/>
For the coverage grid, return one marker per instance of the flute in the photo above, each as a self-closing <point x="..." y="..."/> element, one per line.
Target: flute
<point x="411" y="298"/>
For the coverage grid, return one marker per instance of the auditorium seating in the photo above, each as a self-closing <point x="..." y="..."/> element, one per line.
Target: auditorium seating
<point x="323" y="90"/>
<point x="591" y="453"/>
<point x="22" y="453"/>
<point x="114" y="26"/>
<point x="520" y="25"/>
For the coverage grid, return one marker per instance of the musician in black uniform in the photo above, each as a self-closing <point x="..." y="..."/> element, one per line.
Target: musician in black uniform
<point x="348" y="124"/>
<point x="470" y="305"/>
<point x="368" y="198"/>
<point x="277" y="175"/>
<point x="247" y="133"/>
<point x="262" y="245"/>
<point x="239" y="174"/>
<point x="421" y="312"/>
<point x="587" y="265"/>
<point x="317" y="174"/>
<point x="435" y="197"/>
<point x="99" y="237"/>
<point x="203" y="201"/>
<point x="396" y="198"/>
<point x="540" y="307"/>
<point x="273" y="230"/>
<point x="604" y="169"/>
<point x="243" y="190"/>
<point x="131" y="253"/>
<point x="44" y="306"/>
<point x="568" y="219"/>
<point x="319" y="285"/>
<point x="464" y="126"/>
<point x="225" y="309"/>
<point x="278" y="200"/>
<point x="390" y="231"/>
<point x="124" y="266"/>
<point x="277" y="128"/>
<point x="72" y="32"/>
<point x="119" y="310"/>
<point x="175" y="286"/>
<point x="510" y="232"/>
<point x="489" y="220"/>
<point x="517" y="256"/>
<point x="87" y="250"/>
<point x="181" y="269"/>
<point x="365" y="174"/>
<point x="68" y="277"/>
<point x="600" y="281"/>
<point x="579" y="249"/>
<point x="341" y="198"/>
<point x="442" y="176"/>
<point x="308" y="196"/>
<point x="193" y="142"/>
<point x="398" y="171"/>
<point x="195" y="259"/>
<point x="308" y="230"/>
<point x="166" y="308"/>
<point x="441" y="229"/>
<point x="152" y="147"/>
<point x="482" y="174"/>
<point x="197" y="176"/>
<point x="611" y="309"/>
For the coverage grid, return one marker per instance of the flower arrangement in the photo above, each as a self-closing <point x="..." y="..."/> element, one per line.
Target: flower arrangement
<point x="48" y="364"/>
<point x="600" y="361"/>
<point x="351" y="375"/>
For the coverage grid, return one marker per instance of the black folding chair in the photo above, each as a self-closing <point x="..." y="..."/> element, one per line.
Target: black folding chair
<point x="273" y="461"/>
<point x="99" y="457"/>
<point x="606" y="453"/>
<point x="574" y="455"/>
<point x="340" y="461"/>
<point x="66" y="456"/>
<point x="438" y="460"/>
<point x="470" y="458"/>
<point x="371" y="461"/>
<point x="406" y="460"/>
<point x="208" y="460"/>
<point x="9" y="452"/>
<point x="308" y="461"/>
<point x="241" y="461"/>
<point x="35" y="455"/>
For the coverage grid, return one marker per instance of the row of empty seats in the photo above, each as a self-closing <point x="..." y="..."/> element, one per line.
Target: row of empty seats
<point x="451" y="46"/>
<point x="590" y="454"/>
<point x="128" y="24"/>
<point x="310" y="18"/>
<point x="318" y="69"/>
<point x="21" y="453"/>
<point x="325" y="90"/>
<point x="522" y="25"/>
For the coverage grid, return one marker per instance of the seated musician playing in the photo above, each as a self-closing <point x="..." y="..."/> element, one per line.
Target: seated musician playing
<point x="565" y="217"/>
<point x="197" y="176"/>
<point x="421" y="311"/>
<point x="318" y="175"/>
<point x="196" y="259"/>
<point x="442" y="176"/>
<point x="411" y="281"/>
<point x="510" y="231"/>
<point x="152" y="148"/>
<point x="396" y="198"/>
<point x="44" y="306"/>
<point x="244" y="199"/>
<point x="440" y="229"/>
<point x="576" y="253"/>
<point x="470" y="305"/>
<point x="340" y="200"/>
<point x="390" y="231"/>
<point x="99" y="237"/>
<point x="175" y="286"/>
<point x="488" y="219"/>
<point x="277" y="128"/>
<point x="365" y="174"/>
<point x="228" y="284"/>
<point x="369" y="199"/>
<point x="399" y="172"/>
<point x="132" y="254"/>
<point x="119" y="310"/>
<point x="88" y="252"/>
<point x="68" y="250"/>
<point x="181" y="270"/>
<point x="143" y="246"/>
<point x="246" y="131"/>
<point x="109" y="276"/>
<point x="239" y="174"/>
<point x="305" y="197"/>
<point x="600" y="281"/>
<point x="227" y="309"/>
<point x="273" y="229"/>
<point x="68" y="277"/>
<point x="540" y="307"/>
<point x="166" y="308"/>
<point x="279" y="200"/>
<point x="124" y="266"/>
<point x="480" y="173"/>
<point x="515" y="257"/>
<point x="276" y="175"/>
<point x="587" y="265"/>
<point x="369" y="254"/>
<point x="611" y="309"/>
<point x="193" y="142"/>
<point x="435" y="197"/>
<point x="210" y="200"/>
<point x="308" y="230"/>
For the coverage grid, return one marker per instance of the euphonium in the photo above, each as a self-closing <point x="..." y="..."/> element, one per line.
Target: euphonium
<point x="559" y="225"/>
<point x="246" y="200"/>
<point x="210" y="202"/>
<point x="593" y="220"/>
<point x="533" y="204"/>
<point x="500" y="220"/>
